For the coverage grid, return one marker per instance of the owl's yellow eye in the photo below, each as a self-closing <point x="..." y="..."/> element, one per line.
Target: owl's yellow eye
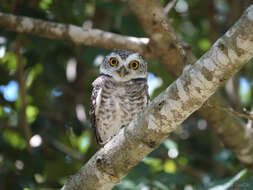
<point x="134" y="65"/>
<point x="114" y="61"/>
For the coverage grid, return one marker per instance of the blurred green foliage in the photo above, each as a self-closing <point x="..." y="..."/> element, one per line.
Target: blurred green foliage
<point x="57" y="106"/>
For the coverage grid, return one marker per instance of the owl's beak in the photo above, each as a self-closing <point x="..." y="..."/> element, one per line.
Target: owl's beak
<point x="122" y="72"/>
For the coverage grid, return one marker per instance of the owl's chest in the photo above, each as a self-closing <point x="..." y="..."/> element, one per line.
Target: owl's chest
<point x="123" y="100"/>
<point x="122" y="103"/>
<point x="117" y="106"/>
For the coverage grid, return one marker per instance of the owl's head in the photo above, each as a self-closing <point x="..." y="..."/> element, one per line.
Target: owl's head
<point x="124" y="65"/>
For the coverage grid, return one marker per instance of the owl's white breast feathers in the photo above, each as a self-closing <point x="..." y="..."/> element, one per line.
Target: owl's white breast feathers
<point x="98" y="101"/>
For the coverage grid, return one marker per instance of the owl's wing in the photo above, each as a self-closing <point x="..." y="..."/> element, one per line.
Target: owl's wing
<point x="94" y="105"/>
<point x="147" y="94"/>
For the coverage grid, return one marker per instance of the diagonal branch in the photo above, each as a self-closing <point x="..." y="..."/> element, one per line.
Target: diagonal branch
<point x="161" y="34"/>
<point x="72" y="33"/>
<point x="169" y="6"/>
<point x="168" y="110"/>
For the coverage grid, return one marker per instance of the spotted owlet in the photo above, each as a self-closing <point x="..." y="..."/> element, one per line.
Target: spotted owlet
<point x="119" y="93"/>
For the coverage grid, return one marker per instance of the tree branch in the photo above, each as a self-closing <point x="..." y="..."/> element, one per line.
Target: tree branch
<point x="165" y="45"/>
<point x="72" y="33"/>
<point x="168" y="110"/>
<point x="65" y="149"/>
<point x="231" y="111"/>
<point x="169" y="6"/>
<point x="158" y="26"/>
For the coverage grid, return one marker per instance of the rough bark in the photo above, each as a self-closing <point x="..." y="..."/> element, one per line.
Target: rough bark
<point x="168" y="110"/>
<point x="72" y="33"/>
<point x="156" y="24"/>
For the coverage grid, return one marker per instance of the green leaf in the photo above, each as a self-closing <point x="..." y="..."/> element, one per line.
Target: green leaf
<point x="170" y="166"/>
<point x="82" y="142"/>
<point x="14" y="139"/>
<point x="11" y="60"/>
<point x="155" y="164"/>
<point x="33" y="73"/>
<point x="204" y="44"/>
<point x="31" y="112"/>
<point x="44" y="4"/>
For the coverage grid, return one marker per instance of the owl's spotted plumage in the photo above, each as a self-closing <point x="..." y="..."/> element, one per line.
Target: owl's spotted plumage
<point x="119" y="93"/>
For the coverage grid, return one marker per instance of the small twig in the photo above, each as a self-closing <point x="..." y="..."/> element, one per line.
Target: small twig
<point x="245" y="115"/>
<point x="169" y="6"/>
<point x="22" y="92"/>
<point x="65" y="149"/>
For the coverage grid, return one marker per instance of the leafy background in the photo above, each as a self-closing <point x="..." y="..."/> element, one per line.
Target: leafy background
<point x="58" y="77"/>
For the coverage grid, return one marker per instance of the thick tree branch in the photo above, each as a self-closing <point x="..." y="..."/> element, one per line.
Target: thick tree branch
<point x="72" y="33"/>
<point x="159" y="28"/>
<point x="168" y="110"/>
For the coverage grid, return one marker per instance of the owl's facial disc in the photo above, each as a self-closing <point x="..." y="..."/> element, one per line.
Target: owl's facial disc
<point x="123" y="65"/>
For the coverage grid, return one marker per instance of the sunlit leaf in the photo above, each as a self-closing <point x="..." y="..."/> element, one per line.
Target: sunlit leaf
<point x="31" y="112"/>
<point x="204" y="44"/>
<point x="34" y="72"/>
<point x="10" y="59"/>
<point x="81" y="142"/>
<point x="14" y="139"/>
<point x="44" y="4"/>
<point x="84" y="142"/>
<point x="1" y="111"/>
<point x="89" y="9"/>
<point x="182" y="161"/>
<point x="155" y="164"/>
<point x="170" y="166"/>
